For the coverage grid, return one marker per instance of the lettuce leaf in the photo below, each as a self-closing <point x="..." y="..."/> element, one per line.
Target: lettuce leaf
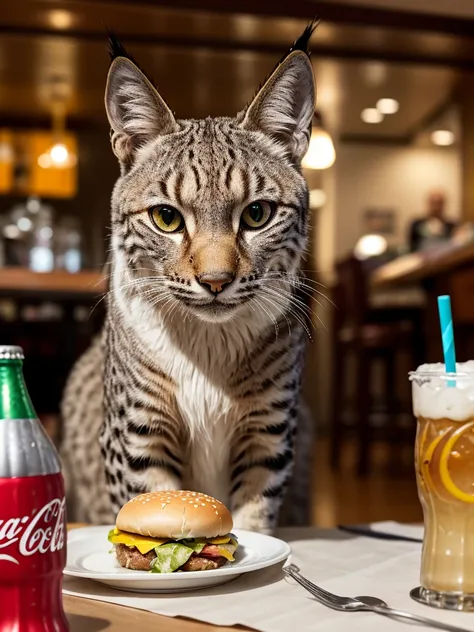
<point x="197" y="547"/>
<point x="170" y="556"/>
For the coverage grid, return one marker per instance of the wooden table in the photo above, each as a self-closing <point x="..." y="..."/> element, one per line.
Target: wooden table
<point x="447" y="270"/>
<point x="417" y="267"/>
<point x="88" y="615"/>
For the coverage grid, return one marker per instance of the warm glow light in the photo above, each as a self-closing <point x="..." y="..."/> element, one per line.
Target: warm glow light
<point x="44" y="161"/>
<point x="317" y="198"/>
<point x="387" y="106"/>
<point x="6" y="152"/>
<point x="370" y="246"/>
<point x="59" y="154"/>
<point x="443" y="137"/>
<point x="371" y="115"/>
<point x="321" y="153"/>
<point x="60" y="19"/>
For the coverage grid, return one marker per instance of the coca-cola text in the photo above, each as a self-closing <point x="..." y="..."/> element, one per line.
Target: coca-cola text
<point x="36" y="534"/>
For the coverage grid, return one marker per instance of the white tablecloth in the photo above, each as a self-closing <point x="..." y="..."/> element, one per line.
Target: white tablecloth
<point x="268" y="601"/>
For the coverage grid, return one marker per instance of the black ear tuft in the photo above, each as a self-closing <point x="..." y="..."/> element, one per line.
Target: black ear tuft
<point x="283" y="108"/>
<point x="300" y="44"/>
<point x="116" y="48"/>
<point x="303" y="40"/>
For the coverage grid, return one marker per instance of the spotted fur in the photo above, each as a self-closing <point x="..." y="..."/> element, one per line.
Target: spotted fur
<point x="187" y="387"/>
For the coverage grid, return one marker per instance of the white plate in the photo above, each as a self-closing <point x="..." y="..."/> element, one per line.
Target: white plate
<point x="89" y="557"/>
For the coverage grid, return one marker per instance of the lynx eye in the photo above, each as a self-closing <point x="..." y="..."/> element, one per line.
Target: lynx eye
<point x="257" y="214"/>
<point x="166" y="218"/>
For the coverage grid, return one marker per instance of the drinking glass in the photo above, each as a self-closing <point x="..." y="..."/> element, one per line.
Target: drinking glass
<point x="444" y="456"/>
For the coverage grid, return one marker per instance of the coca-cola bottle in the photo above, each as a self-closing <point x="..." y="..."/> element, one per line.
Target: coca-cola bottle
<point x="32" y="511"/>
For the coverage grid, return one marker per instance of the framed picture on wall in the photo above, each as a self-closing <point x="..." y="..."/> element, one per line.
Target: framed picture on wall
<point x="381" y="221"/>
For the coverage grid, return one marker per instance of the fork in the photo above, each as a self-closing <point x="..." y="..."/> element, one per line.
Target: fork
<point x="353" y="604"/>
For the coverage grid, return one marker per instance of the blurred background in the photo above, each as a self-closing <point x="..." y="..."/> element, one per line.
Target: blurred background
<point x="391" y="173"/>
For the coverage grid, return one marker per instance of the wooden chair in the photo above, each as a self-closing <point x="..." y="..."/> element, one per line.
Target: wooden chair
<point x="368" y="335"/>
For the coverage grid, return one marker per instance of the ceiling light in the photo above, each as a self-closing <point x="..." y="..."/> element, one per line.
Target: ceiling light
<point x="317" y="198"/>
<point x="442" y="137"/>
<point x="371" y="115"/>
<point x="370" y="246"/>
<point x="321" y="153"/>
<point x="387" y="106"/>
<point x="60" y="19"/>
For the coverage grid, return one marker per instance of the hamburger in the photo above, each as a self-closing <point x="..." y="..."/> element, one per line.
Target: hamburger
<point x="173" y="531"/>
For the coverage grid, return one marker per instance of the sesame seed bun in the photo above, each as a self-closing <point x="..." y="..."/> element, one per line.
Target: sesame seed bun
<point x="175" y="514"/>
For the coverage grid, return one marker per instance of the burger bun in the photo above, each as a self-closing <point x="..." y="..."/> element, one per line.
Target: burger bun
<point x="175" y="515"/>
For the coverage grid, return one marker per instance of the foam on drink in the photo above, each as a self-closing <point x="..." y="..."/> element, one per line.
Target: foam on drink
<point x="432" y="398"/>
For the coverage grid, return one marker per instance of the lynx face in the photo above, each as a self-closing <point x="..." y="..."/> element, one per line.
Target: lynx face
<point x="210" y="216"/>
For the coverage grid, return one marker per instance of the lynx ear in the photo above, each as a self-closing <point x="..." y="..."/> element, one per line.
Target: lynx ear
<point x="135" y="110"/>
<point x="284" y="106"/>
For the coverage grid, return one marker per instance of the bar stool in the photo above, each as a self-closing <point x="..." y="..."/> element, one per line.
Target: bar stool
<point x="368" y="335"/>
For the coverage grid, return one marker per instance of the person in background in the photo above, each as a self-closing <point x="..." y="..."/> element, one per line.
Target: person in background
<point x="434" y="228"/>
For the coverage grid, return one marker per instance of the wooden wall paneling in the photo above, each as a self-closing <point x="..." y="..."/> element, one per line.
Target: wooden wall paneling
<point x="462" y="295"/>
<point x="465" y="98"/>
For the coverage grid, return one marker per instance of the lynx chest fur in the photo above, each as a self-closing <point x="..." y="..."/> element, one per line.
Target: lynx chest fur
<point x="204" y="402"/>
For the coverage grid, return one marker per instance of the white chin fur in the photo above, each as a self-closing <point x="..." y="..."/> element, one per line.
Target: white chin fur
<point x="210" y="316"/>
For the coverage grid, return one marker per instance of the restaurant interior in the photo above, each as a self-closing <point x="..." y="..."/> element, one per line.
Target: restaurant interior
<point x="390" y="170"/>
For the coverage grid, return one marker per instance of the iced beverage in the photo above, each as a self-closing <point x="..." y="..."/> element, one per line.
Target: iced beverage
<point x="444" y="455"/>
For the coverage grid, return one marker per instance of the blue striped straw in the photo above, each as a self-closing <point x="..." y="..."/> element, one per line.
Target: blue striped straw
<point x="447" y="335"/>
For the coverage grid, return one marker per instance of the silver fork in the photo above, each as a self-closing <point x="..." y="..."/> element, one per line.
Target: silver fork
<point x="373" y="604"/>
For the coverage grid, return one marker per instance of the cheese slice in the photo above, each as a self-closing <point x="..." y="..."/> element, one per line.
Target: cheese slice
<point x="142" y="542"/>
<point x="222" y="540"/>
<point x="145" y="544"/>
<point x="226" y="553"/>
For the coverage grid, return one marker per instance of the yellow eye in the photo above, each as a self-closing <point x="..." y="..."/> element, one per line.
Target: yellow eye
<point x="167" y="218"/>
<point x="257" y="214"/>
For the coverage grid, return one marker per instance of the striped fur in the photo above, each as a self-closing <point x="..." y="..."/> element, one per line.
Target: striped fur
<point x="187" y="389"/>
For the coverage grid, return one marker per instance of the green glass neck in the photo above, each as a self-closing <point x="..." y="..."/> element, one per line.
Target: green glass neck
<point x="15" y="402"/>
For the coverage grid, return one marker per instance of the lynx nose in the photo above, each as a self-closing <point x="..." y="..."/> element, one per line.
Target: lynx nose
<point x="215" y="282"/>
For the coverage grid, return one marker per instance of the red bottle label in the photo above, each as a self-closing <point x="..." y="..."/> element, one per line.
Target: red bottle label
<point x="32" y="553"/>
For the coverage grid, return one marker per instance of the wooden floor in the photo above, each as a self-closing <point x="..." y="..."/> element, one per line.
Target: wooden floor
<point x="388" y="493"/>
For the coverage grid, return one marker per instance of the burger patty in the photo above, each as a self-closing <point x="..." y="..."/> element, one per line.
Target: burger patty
<point x="130" y="557"/>
<point x="197" y="563"/>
